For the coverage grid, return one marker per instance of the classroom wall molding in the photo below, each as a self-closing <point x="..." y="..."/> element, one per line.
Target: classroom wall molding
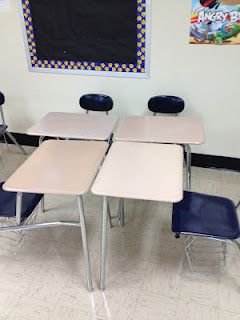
<point x="198" y="160"/>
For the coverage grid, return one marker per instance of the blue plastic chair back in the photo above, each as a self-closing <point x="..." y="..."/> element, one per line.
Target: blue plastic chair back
<point x="96" y="102"/>
<point x="166" y="104"/>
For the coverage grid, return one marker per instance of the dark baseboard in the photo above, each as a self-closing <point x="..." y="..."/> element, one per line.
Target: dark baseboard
<point x="198" y="160"/>
<point x="217" y="162"/>
<point x="24" y="139"/>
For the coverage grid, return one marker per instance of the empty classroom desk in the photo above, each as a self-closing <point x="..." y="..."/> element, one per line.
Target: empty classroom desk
<point x="175" y="130"/>
<point x="138" y="171"/>
<point x="59" y="167"/>
<point x="74" y="126"/>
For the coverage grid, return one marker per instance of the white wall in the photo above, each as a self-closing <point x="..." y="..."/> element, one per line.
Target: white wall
<point x="207" y="77"/>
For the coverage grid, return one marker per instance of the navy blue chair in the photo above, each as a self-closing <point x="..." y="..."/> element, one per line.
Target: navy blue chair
<point x="166" y="104"/>
<point x="96" y="102"/>
<point x="202" y="215"/>
<point x="8" y="203"/>
<point x="8" y="207"/>
<point x="3" y="126"/>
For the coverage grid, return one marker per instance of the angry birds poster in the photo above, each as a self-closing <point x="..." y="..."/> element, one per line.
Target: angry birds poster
<point x="215" y="22"/>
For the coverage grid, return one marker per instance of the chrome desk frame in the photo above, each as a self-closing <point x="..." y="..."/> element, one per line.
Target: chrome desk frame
<point x="81" y="223"/>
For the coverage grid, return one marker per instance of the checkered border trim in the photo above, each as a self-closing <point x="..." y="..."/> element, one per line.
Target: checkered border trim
<point x="138" y="68"/>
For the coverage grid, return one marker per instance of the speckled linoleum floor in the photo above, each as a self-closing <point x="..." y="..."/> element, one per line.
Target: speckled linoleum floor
<point x="147" y="273"/>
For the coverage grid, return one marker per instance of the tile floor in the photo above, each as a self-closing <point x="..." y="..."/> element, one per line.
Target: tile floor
<point x="147" y="273"/>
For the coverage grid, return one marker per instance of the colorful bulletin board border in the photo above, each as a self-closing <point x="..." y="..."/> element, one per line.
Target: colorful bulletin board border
<point x="215" y="22"/>
<point x="138" y="70"/>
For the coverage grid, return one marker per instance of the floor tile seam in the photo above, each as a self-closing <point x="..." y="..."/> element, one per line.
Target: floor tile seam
<point x="49" y="305"/>
<point x="15" y="306"/>
<point x="181" y="275"/>
<point x="216" y="307"/>
<point x="52" y="241"/>
<point x="181" y="297"/>
<point x="26" y="291"/>
<point x="87" y="314"/>
<point x="160" y="294"/>
<point x="170" y="296"/>
<point x="136" y="303"/>
<point x="236" y="314"/>
<point x="232" y="274"/>
<point x="143" y="280"/>
<point x="170" y="266"/>
<point x="192" y="300"/>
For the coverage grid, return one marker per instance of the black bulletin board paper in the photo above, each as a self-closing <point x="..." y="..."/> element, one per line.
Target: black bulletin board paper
<point x="93" y="35"/>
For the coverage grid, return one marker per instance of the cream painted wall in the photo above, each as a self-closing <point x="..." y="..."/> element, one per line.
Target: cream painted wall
<point x="207" y="77"/>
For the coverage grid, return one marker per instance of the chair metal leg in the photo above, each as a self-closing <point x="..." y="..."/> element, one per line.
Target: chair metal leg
<point x="189" y="242"/>
<point x="18" y="216"/>
<point x="85" y="244"/>
<point x="15" y="142"/>
<point x="188" y="166"/>
<point x="104" y="244"/>
<point x="5" y="140"/>
<point x="121" y="212"/>
<point x="42" y="203"/>
<point x="224" y="248"/>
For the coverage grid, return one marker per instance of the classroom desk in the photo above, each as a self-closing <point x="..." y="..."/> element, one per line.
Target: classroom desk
<point x="59" y="167"/>
<point x="177" y="130"/>
<point x="138" y="171"/>
<point x="74" y="125"/>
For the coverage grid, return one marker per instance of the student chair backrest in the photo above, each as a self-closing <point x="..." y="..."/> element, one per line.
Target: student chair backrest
<point x="96" y="102"/>
<point x="166" y="104"/>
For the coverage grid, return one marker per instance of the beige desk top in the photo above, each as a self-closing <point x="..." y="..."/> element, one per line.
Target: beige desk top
<point x="142" y="171"/>
<point x="181" y="130"/>
<point x="59" y="167"/>
<point x="75" y="125"/>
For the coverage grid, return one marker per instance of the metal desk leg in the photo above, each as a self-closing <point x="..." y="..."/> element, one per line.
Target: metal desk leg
<point x="188" y="165"/>
<point x="104" y="243"/>
<point x="18" y="216"/>
<point x="42" y="204"/>
<point x="109" y="215"/>
<point x="85" y="244"/>
<point x="15" y="142"/>
<point x="40" y="140"/>
<point x="19" y="208"/>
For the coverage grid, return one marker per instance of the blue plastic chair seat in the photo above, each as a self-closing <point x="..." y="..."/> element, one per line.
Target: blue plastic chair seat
<point x="206" y="215"/>
<point x="3" y="128"/>
<point x="8" y="203"/>
<point x="166" y="104"/>
<point x="2" y="98"/>
<point x="96" y="102"/>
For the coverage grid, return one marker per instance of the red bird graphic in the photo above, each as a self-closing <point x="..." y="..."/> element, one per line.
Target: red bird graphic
<point x="216" y="3"/>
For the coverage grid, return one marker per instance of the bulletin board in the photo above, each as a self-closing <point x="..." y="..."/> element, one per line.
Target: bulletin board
<point x="106" y="38"/>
